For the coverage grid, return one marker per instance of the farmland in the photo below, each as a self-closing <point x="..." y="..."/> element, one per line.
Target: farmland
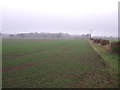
<point x="52" y="63"/>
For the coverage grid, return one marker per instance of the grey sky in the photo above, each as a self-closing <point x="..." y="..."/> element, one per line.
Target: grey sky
<point x="68" y="16"/>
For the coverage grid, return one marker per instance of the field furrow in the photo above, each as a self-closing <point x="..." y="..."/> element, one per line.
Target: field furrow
<point x="63" y="64"/>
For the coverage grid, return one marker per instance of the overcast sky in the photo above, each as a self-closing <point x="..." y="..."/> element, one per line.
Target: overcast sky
<point x="67" y="16"/>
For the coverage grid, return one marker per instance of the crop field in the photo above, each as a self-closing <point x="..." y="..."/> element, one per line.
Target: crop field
<point x="52" y="63"/>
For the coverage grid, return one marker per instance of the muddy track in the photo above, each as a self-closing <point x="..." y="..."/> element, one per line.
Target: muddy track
<point x="34" y="64"/>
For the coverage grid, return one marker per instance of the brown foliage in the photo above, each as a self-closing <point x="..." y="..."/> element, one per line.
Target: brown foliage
<point x="115" y="46"/>
<point x="104" y="42"/>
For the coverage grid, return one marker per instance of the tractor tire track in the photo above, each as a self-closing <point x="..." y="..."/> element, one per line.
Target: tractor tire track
<point x="34" y="64"/>
<point x="22" y="55"/>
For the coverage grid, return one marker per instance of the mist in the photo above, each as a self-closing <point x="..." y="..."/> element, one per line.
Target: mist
<point x="67" y="16"/>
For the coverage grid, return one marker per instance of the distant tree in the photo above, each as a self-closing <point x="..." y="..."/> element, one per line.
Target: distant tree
<point x="11" y="35"/>
<point x="59" y="35"/>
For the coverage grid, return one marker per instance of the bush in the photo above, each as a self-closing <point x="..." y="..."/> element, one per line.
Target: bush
<point x="98" y="40"/>
<point x="115" y="46"/>
<point x="95" y="40"/>
<point x="91" y="39"/>
<point x="104" y="42"/>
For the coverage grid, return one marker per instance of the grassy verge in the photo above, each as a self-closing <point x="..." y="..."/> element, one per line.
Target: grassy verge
<point x="110" y="59"/>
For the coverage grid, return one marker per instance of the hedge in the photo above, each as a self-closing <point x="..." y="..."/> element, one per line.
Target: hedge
<point x="115" y="46"/>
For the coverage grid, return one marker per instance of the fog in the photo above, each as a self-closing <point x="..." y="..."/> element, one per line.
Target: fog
<point x="67" y="16"/>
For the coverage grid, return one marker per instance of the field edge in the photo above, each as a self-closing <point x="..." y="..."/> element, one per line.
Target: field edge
<point x="113" y="72"/>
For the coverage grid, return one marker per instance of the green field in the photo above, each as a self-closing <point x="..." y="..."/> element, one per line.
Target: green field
<point x="52" y="63"/>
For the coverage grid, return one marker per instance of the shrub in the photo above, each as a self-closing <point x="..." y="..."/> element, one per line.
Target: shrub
<point x="98" y="40"/>
<point x="91" y="39"/>
<point x="115" y="46"/>
<point x="104" y="42"/>
<point x="94" y="41"/>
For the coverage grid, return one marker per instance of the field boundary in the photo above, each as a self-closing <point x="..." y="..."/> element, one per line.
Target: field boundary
<point x="109" y="69"/>
<point x="102" y="60"/>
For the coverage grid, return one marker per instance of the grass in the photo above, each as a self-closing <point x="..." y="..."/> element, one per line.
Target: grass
<point x="52" y="64"/>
